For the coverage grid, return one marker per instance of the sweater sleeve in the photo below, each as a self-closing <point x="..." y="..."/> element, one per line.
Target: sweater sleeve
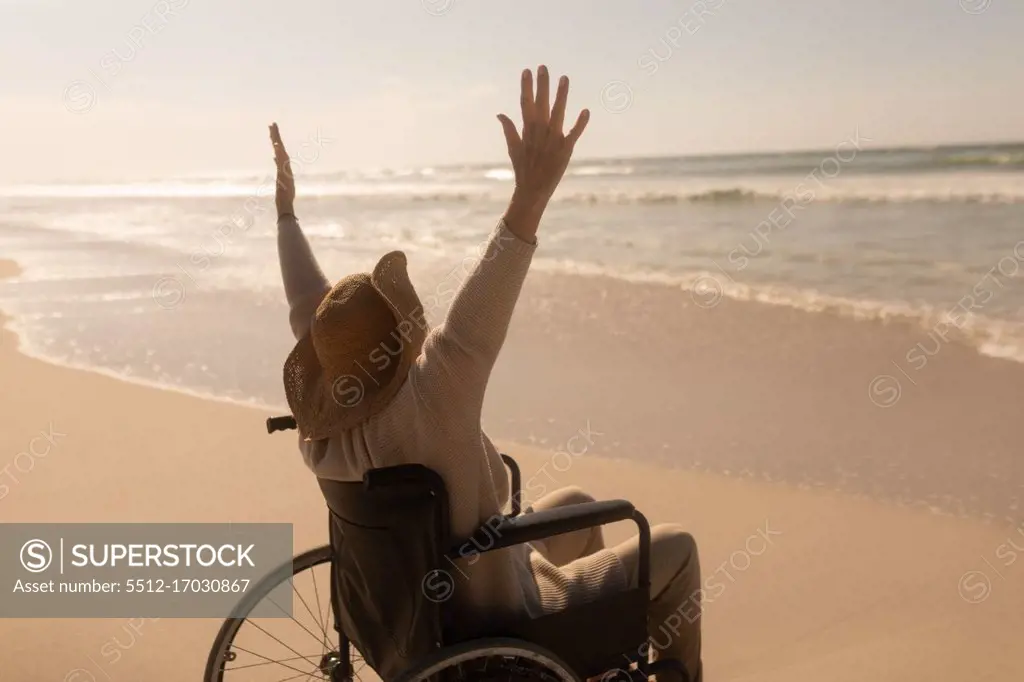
<point x="457" y="358"/>
<point x="304" y="282"/>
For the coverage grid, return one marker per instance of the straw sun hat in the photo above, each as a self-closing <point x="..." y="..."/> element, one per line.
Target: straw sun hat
<point x="366" y="334"/>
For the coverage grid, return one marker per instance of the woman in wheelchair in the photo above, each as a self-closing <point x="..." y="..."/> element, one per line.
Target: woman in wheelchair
<point x="371" y="386"/>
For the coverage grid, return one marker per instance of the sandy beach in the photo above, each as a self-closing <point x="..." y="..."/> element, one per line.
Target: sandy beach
<point x="777" y="292"/>
<point x="807" y="584"/>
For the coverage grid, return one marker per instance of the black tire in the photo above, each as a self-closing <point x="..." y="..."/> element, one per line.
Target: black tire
<point x="496" y="659"/>
<point x="224" y="654"/>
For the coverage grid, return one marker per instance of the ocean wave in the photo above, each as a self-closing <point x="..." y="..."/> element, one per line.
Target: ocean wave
<point x="998" y="159"/>
<point x="727" y="195"/>
<point x="989" y="336"/>
<point x="798" y="191"/>
<point x="608" y="169"/>
<point x="739" y="195"/>
<point x="992" y="160"/>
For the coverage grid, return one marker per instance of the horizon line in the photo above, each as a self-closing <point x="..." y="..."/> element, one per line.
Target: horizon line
<point x="583" y="160"/>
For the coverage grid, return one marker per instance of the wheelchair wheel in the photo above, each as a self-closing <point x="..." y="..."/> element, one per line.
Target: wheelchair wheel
<point x="304" y="646"/>
<point x="492" y="660"/>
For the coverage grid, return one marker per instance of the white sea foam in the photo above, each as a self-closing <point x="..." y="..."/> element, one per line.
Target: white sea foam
<point x="126" y="374"/>
<point x="903" y="229"/>
<point x="939" y="188"/>
<point x="989" y="336"/>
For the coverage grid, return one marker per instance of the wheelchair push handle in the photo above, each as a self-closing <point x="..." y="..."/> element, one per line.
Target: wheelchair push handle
<point x="285" y="423"/>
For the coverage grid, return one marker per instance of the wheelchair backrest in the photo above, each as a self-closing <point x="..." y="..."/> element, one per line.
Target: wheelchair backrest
<point x="389" y="534"/>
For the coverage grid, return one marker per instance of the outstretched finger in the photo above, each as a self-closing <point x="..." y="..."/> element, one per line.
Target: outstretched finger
<point x="543" y="108"/>
<point x="285" y="179"/>
<point x="280" y="153"/>
<point x="526" y="96"/>
<point x="558" y="111"/>
<point x="578" y="127"/>
<point x="512" y="138"/>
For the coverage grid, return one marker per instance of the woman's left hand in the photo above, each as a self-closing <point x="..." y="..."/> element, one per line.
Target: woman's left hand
<point x="285" y="196"/>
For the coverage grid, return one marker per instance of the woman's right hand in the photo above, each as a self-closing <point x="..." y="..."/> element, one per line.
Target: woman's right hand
<point x="285" y="195"/>
<point x="541" y="153"/>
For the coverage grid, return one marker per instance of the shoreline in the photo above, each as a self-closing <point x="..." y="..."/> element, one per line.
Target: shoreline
<point x="769" y="393"/>
<point x="9" y="268"/>
<point x="888" y="315"/>
<point x="992" y="337"/>
<point x="512" y="445"/>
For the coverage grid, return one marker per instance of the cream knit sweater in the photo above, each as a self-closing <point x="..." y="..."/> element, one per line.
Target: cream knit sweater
<point x="434" y="420"/>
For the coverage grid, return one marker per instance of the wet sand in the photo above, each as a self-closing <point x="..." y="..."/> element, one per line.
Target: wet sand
<point x="888" y="410"/>
<point x="764" y="392"/>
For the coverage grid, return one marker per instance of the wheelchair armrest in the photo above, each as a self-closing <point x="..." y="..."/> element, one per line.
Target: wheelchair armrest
<point x="508" y="531"/>
<point x="517" y="493"/>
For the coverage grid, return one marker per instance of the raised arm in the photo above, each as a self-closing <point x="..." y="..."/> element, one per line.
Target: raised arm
<point x="304" y="282"/>
<point x="458" y="356"/>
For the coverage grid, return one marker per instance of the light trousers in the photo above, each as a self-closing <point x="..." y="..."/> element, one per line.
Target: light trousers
<point x="674" y="615"/>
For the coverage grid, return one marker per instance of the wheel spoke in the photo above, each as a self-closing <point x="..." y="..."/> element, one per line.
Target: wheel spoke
<point x="308" y="610"/>
<point x="323" y="619"/>
<point x="282" y="610"/>
<point x="223" y="655"/>
<point x="295" y="677"/>
<point x="267" y="661"/>
<point x="256" y="625"/>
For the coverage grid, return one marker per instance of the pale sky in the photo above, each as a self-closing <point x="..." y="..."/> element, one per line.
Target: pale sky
<point x="410" y="82"/>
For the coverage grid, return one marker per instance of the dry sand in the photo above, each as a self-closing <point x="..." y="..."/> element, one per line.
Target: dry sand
<point x="847" y="589"/>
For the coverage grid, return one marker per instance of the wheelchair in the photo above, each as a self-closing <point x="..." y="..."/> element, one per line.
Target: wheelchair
<point x="380" y="605"/>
